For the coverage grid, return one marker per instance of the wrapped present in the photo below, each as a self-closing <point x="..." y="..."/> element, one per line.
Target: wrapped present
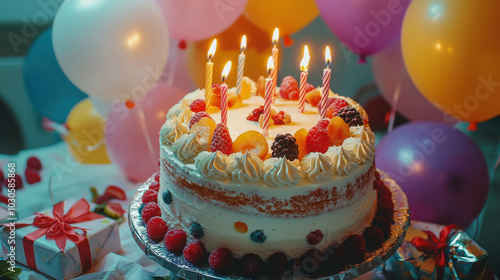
<point x="62" y="242"/>
<point x="437" y="252"/>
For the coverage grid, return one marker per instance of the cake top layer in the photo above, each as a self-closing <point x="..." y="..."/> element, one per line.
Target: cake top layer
<point x="318" y="152"/>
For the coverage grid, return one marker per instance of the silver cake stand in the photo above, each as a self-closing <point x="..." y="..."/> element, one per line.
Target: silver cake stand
<point x="185" y="270"/>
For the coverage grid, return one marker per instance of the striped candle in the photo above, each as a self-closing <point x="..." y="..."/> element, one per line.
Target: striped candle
<point x="209" y="73"/>
<point x="275" y="53"/>
<point x="269" y="97"/>
<point x="327" y="74"/>
<point x="223" y="93"/>
<point x="303" y="79"/>
<point x="241" y="65"/>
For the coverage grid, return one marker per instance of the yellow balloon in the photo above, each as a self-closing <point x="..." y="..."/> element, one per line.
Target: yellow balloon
<point x="289" y="16"/>
<point x="228" y="48"/>
<point x="85" y="136"/>
<point x="451" y="49"/>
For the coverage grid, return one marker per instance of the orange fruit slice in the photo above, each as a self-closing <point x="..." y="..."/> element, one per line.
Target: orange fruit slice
<point x="338" y="131"/>
<point x="204" y="128"/>
<point x="300" y="136"/>
<point x="251" y="141"/>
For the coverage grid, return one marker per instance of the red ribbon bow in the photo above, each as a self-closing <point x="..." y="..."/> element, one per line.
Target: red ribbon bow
<point x="435" y="246"/>
<point x="59" y="229"/>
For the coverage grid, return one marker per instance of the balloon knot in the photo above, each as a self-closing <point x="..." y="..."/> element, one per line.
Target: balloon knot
<point x="130" y="104"/>
<point x="472" y="126"/>
<point x="288" y="41"/>
<point x="362" y="59"/>
<point x="182" y="45"/>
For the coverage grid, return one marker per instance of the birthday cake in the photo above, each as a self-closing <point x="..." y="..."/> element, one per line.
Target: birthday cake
<point x="309" y="186"/>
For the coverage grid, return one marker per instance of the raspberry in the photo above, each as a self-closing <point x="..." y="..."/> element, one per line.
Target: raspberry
<point x="355" y="246"/>
<point x="196" y="230"/>
<point x="278" y="118"/>
<point x="221" y="140"/>
<point x="385" y="200"/>
<point x="337" y="258"/>
<point x="221" y="260"/>
<point x="155" y="186"/>
<point x="317" y="140"/>
<point x="323" y="123"/>
<point x="255" y="114"/>
<point x="175" y="240"/>
<point x="382" y="189"/>
<point x="285" y="145"/>
<point x="16" y="180"/>
<point x="334" y="107"/>
<point x="386" y="211"/>
<point x="277" y="264"/>
<point x="249" y="266"/>
<point x="377" y="175"/>
<point x="197" y="105"/>
<point x="374" y="237"/>
<point x="194" y="252"/>
<point x="311" y="261"/>
<point x="34" y="163"/>
<point x="157" y="228"/>
<point x="157" y="176"/>
<point x="150" y="210"/>
<point x="32" y="176"/>
<point x="383" y="224"/>
<point x="350" y="116"/>
<point x="150" y="196"/>
<point x="309" y="87"/>
<point x="289" y="88"/>
<point x="167" y="197"/>
<point x="198" y="116"/>
<point x="314" y="237"/>
<point x="258" y="236"/>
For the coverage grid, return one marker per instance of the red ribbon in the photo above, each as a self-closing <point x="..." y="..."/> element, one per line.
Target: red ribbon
<point x="435" y="246"/>
<point x="59" y="229"/>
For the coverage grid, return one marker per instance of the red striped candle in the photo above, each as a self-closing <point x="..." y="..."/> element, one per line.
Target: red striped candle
<point x="275" y="53"/>
<point x="223" y="94"/>
<point x="303" y="80"/>
<point x="327" y="74"/>
<point x="269" y="96"/>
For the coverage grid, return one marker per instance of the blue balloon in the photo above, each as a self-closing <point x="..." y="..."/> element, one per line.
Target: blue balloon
<point x="49" y="90"/>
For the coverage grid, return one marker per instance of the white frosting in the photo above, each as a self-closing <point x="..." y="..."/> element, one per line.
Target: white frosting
<point x="185" y="115"/>
<point x="177" y="108"/>
<point x="281" y="172"/>
<point x="363" y="150"/>
<point x="318" y="167"/>
<point x="343" y="160"/>
<point x="245" y="168"/>
<point x="363" y="132"/>
<point x="172" y="130"/>
<point x="188" y="146"/>
<point x="211" y="164"/>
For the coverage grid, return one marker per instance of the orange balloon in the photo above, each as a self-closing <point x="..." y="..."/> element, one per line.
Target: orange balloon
<point x="258" y="50"/>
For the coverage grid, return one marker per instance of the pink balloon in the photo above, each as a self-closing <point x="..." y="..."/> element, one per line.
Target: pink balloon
<point x="132" y="146"/>
<point x="192" y="20"/>
<point x="390" y="72"/>
<point x="176" y="72"/>
<point x="365" y="26"/>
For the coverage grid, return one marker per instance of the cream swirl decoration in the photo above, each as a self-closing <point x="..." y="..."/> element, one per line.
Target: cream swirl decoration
<point x="363" y="150"/>
<point x="211" y="164"/>
<point x="363" y="132"/>
<point x="185" y="115"/>
<point x="318" y="167"/>
<point x="245" y="168"/>
<point x="343" y="160"/>
<point x="172" y="130"/>
<point x="188" y="147"/>
<point x="177" y="109"/>
<point x="280" y="172"/>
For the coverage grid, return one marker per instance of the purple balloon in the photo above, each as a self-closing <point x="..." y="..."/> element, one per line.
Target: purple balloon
<point x="442" y="171"/>
<point x="365" y="26"/>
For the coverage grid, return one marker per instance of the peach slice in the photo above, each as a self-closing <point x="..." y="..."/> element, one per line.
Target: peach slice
<point x="313" y="97"/>
<point x="204" y="129"/>
<point x="251" y="141"/>
<point x="338" y="131"/>
<point x="300" y="136"/>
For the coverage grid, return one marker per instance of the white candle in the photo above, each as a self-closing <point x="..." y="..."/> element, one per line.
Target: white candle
<point x="209" y="73"/>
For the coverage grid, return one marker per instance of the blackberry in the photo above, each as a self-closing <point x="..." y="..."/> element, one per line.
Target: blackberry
<point x="350" y="116"/>
<point x="285" y="145"/>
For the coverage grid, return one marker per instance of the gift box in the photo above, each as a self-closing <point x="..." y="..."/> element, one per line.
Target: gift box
<point x="433" y="251"/>
<point x="62" y="242"/>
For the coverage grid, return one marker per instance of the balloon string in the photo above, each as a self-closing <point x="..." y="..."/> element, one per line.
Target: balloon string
<point x="171" y="72"/>
<point x="395" y="100"/>
<point x="49" y="125"/>
<point x="142" y="121"/>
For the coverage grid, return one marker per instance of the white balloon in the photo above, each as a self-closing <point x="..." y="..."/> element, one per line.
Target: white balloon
<point x="111" y="49"/>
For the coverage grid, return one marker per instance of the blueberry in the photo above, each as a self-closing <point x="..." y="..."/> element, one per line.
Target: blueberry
<point x="167" y="197"/>
<point x="196" y="230"/>
<point x="258" y="236"/>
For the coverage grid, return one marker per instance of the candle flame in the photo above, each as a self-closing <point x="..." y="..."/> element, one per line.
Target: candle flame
<point x="276" y="35"/>
<point x="328" y="56"/>
<point x="243" y="45"/>
<point x="226" y="70"/>
<point x="211" y="51"/>
<point x="305" y="59"/>
<point x="270" y="65"/>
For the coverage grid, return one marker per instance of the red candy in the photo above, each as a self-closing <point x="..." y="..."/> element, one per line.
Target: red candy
<point x="34" y="163"/>
<point x="32" y="176"/>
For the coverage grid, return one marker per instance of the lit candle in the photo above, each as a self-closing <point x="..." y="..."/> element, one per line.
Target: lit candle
<point x="327" y="74"/>
<point x="209" y="73"/>
<point x="303" y="79"/>
<point x="223" y="94"/>
<point x="270" y="89"/>
<point x="275" y="52"/>
<point x="241" y="64"/>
